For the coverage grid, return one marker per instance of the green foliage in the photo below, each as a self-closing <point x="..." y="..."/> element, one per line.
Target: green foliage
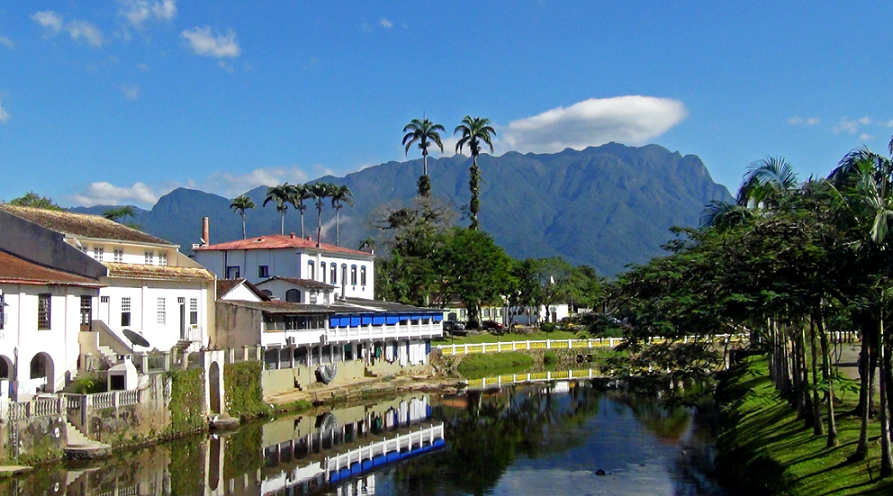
<point x="548" y="327"/>
<point x="187" y="466"/>
<point x="242" y="454"/>
<point x="550" y="358"/>
<point x="244" y="394"/>
<point x="89" y="385"/>
<point x="477" y="364"/>
<point x="32" y="199"/>
<point x="187" y="400"/>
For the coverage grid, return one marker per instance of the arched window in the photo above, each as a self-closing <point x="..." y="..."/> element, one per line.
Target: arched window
<point x="309" y="270"/>
<point x="334" y="274"/>
<point x="322" y="272"/>
<point x="353" y="275"/>
<point x="293" y="296"/>
<point x="267" y="292"/>
<point x="363" y="275"/>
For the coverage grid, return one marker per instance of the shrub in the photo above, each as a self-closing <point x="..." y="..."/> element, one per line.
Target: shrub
<point x="550" y="358"/>
<point x="547" y="327"/>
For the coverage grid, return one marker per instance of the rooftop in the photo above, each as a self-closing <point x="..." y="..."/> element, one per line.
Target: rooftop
<point x="304" y="283"/>
<point x="158" y="272"/>
<point x="226" y="285"/>
<point x="16" y="270"/>
<point x="81" y="225"/>
<point x="279" y="241"/>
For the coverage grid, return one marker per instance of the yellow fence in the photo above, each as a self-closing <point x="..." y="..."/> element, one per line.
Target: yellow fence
<point x="564" y="344"/>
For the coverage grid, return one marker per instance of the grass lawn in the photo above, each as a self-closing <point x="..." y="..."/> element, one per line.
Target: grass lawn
<point x="491" y="338"/>
<point x="776" y="446"/>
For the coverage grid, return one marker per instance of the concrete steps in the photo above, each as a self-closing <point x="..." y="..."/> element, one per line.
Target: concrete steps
<point x="75" y="436"/>
<point x="80" y="447"/>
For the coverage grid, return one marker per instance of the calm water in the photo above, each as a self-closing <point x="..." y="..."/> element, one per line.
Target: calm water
<point x="524" y="440"/>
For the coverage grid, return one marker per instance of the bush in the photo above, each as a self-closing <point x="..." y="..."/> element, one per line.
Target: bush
<point x="474" y="364"/>
<point x="550" y="358"/>
<point x="89" y="385"/>
<point x="547" y="327"/>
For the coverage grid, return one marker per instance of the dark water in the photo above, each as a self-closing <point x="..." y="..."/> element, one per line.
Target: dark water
<point x="523" y="440"/>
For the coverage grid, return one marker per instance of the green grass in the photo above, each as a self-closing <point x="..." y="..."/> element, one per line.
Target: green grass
<point x="771" y="452"/>
<point x="476" y="365"/>
<point x="490" y="338"/>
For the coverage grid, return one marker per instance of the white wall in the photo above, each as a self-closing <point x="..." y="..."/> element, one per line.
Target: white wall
<point x="240" y="293"/>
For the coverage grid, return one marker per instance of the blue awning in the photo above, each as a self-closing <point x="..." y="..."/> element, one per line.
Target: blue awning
<point x="355" y="321"/>
<point x="378" y="320"/>
<point x="438" y="317"/>
<point x="405" y="317"/>
<point x="392" y="319"/>
<point x="367" y="319"/>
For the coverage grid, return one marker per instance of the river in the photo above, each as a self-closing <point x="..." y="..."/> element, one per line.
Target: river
<point x="561" y="438"/>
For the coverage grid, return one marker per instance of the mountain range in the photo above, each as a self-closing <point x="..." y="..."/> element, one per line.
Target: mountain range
<point x="604" y="206"/>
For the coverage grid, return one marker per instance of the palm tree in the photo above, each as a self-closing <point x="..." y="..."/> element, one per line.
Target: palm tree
<point x="724" y="216"/>
<point x="367" y="244"/>
<point x="119" y="214"/>
<point x="319" y="192"/>
<point x="766" y="181"/>
<point x="425" y="132"/>
<point x="340" y="195"/>
<point x="474" y="131"/>
<point x="240" y="204"/>
<point x="282" y="195"/>
<point x="299" y="193"/>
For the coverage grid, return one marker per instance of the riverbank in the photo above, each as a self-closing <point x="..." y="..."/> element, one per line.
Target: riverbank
<point x="765" y="449"/>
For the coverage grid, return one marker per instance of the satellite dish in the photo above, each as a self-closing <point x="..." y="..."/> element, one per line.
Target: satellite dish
<point x="135" y="339"/>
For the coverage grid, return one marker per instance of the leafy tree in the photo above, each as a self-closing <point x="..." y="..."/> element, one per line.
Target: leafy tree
<point x="120" y="215"/>
<point x="240" y="204"/>
<point x="474" y="270"/>
<point x="425" y="133"/>
<point x="32" y="199"/>
<point x="341" y="195"/>
<point x="282" y="195"/>
<point x="474" y="131"/>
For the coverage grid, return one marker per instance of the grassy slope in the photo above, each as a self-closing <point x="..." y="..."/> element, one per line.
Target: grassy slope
<point x="774" y="444"/>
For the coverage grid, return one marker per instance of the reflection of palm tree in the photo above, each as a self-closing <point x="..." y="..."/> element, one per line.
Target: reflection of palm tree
<point x="240" y="204"/>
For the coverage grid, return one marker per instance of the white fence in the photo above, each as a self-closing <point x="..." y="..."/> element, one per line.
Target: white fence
<point x="564" y="375"/>
<point x="567" y="344"/>
<point x="41" y="407"/>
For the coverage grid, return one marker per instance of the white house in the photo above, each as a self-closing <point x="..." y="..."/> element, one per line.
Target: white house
<point x="298" y="290"/>
<point x="41" y="313"/>
<point x="349" y="272"/>
<point x="149" y="287"/>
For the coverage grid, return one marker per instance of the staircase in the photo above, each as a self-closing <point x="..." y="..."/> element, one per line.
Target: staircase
<point x="75" y="437"/>
<point x="81" y="447"/>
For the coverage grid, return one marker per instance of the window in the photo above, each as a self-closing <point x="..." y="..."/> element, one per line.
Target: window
<point x="309" y="270"/>
<point x="103" y="299"/>
<point x="333" y="276"/>
<point x="160" y="317"/>
<point x="353" y="275"/>
<point x="119" y="255"/>
<point x="193" y="311"/>
<point x="162" y="258"/>
<point x="293" y="296"/>
<point x="125" y="311"/>
<point x="363" y="275"/>
<point x="83" y="248"/>
<point x="486" y="313"/>
<point x="322" y="272"/>
<point x="326" y="299"/>
<point x="301" y="322"/>
<point x="150" y="257"/>
<point x="232" y="272"/>
<point x="86" y="312"/>
<point x="43" y="311"/>
<point x="263" y="271"/>
<point x="313" y="296"/>
<point x="2" y="312"/>
<point x="98" y="252"/>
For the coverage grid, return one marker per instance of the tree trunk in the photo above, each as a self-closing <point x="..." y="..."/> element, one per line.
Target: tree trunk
<point x="282" y="222"/>
<point x="886" y="455"/>
<point x="826" y="376"/>
<point x="817" y="426"/>
<point x="302" y="224"/>
<point x="338" y="226"/>
<point x="474" y="186"/>
<point x="243" y="225"/>
<point x="318" y="225"/>
<point x="864" y="391"/>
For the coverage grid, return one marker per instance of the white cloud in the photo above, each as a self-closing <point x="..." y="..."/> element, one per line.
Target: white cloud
<point x="53" y="25"/>
<point x="7" y="42"/>
<point x="322" y="170"/>
<point x="449" y="147"/>
<point x="203" y="42"/>
<point x="865" y="120"/>
<point x="104" y="193"/>
<point x="4" y="115"/>
<point x="888" y="123"/>
<point x="628" y="119"/>
<point x="231" y="185"/>
<point x="131" y="91"/>
<point x="139" y="11"/>
<point x="386" y="23"/>
<point x="846" y="125"/>
<point x="50" y="21"/>
<point x="865" y="137"/>
<point x="810" y="121"/>
<point x="143" y="67"/>
<point x="226" y="67"/>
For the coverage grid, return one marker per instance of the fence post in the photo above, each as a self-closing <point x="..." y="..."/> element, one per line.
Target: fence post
<point x="231" y="355"/>
<point x="62" y="406"/>
<point x="144" y="362"/>
<point x="167" y="360"/>
<point x="185" y="360"/>
<point x="570" y="344"/>
<point x="548" y="344"/>
<point x="115" y="398"/>
<point x="259" y="353"/>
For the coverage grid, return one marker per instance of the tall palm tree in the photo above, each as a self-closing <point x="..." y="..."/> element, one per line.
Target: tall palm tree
<point x="318" y="193"/>
<point x="341" y="195"/>
<point x="766" y="181"/>
<point x="281" y="195"/>
<point x="240" y="204"/>
<point x="474" y="131"/>
<point x="425" y="132"/>
<point x="298" y="194"/>
<point x="119" y="214"/>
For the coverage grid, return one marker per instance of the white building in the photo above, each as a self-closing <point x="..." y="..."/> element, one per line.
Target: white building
<point x="148" y="287"/>
<point x="41" y="312"/>
<point x="351" y="273"/>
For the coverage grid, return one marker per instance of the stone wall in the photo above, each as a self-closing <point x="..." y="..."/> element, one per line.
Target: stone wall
<point x="33" y="440"/>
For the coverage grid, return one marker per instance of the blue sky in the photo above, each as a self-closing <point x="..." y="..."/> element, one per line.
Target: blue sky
<point x="114" y="101"/>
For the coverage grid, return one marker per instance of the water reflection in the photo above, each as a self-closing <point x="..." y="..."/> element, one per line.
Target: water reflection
<point x="548" y="438"/>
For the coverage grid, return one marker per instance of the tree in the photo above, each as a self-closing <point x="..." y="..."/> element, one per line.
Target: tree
<point x="473" y="132"/>
<point x="341" y="195"/>
<point x="240" y="204"/>
<point x="474" y="270"/>
<point x="121" y="214"/>
<point x="32" y="199"/>
<point x="298" y="194"/>
<point x="766" y="181"/>
<point x="282" y="195"/>
<point x="425" y="133"/>
<point x="318" y="192"/>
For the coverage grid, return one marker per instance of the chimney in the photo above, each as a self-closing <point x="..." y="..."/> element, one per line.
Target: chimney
<point x="309" y="238"/>
<point x="206" y="231"/>
<point x="292" y="236"/>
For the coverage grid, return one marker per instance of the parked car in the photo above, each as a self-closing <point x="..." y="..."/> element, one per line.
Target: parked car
<point x="491" y="325"/>
<point x="452" y="326"/>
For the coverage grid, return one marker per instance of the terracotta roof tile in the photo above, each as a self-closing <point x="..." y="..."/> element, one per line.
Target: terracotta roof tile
<point x="16" y="270"/>
<point x="278" y="241"/>
<point x="282" y="307"/>
<point x="158" y="272"/>
<point x="304" y="283"/>
<point x="81" y="225"/>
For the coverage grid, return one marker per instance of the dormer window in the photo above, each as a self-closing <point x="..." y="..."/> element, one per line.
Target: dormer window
<point x="150" y="257"/>
<point x="162" y="258"/>
<point x="98" y="252"/>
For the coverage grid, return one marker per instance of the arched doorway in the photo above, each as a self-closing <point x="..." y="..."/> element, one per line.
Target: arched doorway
<point x="42" y="375"/>
<point x="5" y="368"/>
<point x="214" y="380"/>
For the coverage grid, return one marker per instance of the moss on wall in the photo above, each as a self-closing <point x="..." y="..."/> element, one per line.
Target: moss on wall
<point x="244" y="394"/>
<point x="187" y="389"/>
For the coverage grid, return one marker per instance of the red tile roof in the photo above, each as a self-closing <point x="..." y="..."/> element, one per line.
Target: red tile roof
<point x="81" y="225"/>
<point x="16" y="270"/>
<point x="304" y="283"/>
<point x="279" y="241"/>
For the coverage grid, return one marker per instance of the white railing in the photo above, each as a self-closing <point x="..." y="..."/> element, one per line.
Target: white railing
<point x="41" y="407"/>
<point x="113" y="399"/>
<point x="565" y="344"/>
<point x="371" y="332"/>
<point x="564" y="375"/>
<point x="407" y="441"/>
